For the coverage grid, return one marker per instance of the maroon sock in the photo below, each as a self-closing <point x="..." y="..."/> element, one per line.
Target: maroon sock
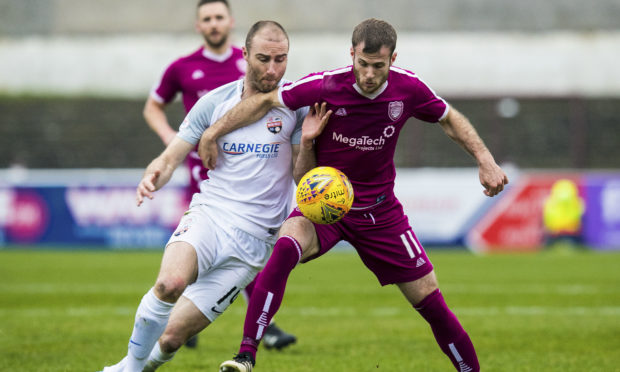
<point x="450" y="335"/>
<point x="268" y="292"/>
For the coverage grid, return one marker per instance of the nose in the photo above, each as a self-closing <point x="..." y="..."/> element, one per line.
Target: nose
<point x="271" y="69"/>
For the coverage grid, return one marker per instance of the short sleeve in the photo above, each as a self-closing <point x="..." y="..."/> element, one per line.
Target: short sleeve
<point x="426" y="104"/>
<point x="197" y="120"/>
<point x="303" y="92"/>
<point x="167" y="87"/>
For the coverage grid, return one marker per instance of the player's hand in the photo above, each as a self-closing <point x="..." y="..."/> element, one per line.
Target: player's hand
<point x="314" y="123"/>
<point x="492" y="178"/>
<point x="146" y="187"/>
<point x="207" y="149"/>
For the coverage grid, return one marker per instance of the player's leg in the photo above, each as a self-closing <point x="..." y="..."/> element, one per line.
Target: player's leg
<point x="219" y="282"/>
<point x="178" y="269"/>
<point x="389" y="248"/>
<point x="275" y="337"/>
<point x="186" y="321"/>
<point x="426" y="298"/>
<point x="298" y="241"/>
<point x="197" y="173"/>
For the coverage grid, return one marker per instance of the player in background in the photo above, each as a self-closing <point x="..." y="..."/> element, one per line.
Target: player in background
<point x="371" y="101"/>
<point x="214" y="64"/>
<point x="227" y="234"/>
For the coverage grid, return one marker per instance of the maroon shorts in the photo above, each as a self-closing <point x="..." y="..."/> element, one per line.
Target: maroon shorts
<point x="383" y="239"/>
<point x="197" y="173"/>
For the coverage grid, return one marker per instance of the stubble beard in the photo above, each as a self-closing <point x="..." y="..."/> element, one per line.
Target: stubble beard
<point x="215" y="45"/>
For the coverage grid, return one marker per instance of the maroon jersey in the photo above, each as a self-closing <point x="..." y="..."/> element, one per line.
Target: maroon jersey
<point x="194" y="76"/>
<point x="360" y="137"/>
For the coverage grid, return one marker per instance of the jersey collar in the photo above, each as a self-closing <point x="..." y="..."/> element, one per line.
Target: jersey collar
<point x="374" y="94"/>
<point x="217" y="57"/>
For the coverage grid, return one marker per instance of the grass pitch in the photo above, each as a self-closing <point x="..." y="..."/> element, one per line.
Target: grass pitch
<point x="552" y="311"/>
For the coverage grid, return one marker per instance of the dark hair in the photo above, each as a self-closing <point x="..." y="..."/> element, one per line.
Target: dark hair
<point x="374" y="33"/>
<point x="203" y="2"/>
<point x="257" y="27"/>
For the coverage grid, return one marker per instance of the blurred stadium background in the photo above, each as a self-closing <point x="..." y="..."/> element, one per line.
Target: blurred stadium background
<point x="539" y="80"/>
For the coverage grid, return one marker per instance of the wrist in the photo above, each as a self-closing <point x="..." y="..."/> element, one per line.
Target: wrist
<point x="307" y="144"/>
<point x="485" y="158"/>
<point x="210" y="134"/>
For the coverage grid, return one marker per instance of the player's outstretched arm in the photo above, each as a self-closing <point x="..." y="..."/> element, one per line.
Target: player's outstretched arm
<point x="313" y="125"/>
<point x="155" y="116"/>
<point x="159" y="171"/>
<point x="459" y="129"/>
<point x="248" y="111"/>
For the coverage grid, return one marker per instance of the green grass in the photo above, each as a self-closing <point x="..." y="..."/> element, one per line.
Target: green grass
<point x="553" y="311"/>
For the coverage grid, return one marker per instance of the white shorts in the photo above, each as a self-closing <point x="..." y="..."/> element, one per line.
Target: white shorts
<point x="228" y="259"/>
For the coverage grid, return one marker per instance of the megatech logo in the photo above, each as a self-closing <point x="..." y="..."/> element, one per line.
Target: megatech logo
<point x="366" y="143"/>
<point x="262" y="150"/>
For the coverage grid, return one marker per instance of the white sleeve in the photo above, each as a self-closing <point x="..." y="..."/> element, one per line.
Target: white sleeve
<point x="300" y="114"/>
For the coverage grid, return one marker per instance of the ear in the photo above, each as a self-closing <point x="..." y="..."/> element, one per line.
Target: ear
<point x="353" y="54"/>
<point x="393" y="58"/>
<point x="245" y="53"/>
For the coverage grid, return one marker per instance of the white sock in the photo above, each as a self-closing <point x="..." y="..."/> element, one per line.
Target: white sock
<point x="151" y="319"/>
<point x="157" y="358"/>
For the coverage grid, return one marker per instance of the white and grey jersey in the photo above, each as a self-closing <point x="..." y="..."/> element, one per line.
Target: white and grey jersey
<point x="252" y="184"/>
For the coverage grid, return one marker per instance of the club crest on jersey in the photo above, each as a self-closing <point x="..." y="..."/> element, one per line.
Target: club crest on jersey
<point x="274" y="124"/>
<point x="395" y="110"/>
<point x="198" y="74"/>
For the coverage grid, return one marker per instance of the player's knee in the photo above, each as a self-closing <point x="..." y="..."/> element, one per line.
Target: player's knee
<point x="169" y="289"/>
<point x="302" y="230"/>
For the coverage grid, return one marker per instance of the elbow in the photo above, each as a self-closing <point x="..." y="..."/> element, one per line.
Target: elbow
<point x="146" y="111"/>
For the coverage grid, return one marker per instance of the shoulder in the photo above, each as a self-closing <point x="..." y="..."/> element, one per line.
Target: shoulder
<point x="223" y="93"/>
<point x="319" y="77"/>
<point x="181" y="61"/>
<point x="237" y="52"/>
<point x="403" y="75"/>
<point x="406" y="79"/>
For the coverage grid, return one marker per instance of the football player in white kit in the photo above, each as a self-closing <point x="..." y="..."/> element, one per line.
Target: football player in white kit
<point x="226" y="236"/>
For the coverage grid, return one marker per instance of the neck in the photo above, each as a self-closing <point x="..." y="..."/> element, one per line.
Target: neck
<point x="219" y="50"/>
<point x="248" y="90"/>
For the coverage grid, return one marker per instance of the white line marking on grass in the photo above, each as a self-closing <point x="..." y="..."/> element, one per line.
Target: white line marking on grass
<point x="333" y="311"/>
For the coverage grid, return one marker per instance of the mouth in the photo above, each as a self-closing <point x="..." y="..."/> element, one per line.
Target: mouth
<point x="369" y="85"/>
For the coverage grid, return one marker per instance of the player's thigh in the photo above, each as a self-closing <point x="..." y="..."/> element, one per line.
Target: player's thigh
<point x="179" y="263"/>
<point x="191" y="247"/>
<point x="416" y="290"/>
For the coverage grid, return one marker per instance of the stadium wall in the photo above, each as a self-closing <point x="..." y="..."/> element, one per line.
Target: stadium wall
<point x="446" y="207"/>
<point x="455" y="64"/>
